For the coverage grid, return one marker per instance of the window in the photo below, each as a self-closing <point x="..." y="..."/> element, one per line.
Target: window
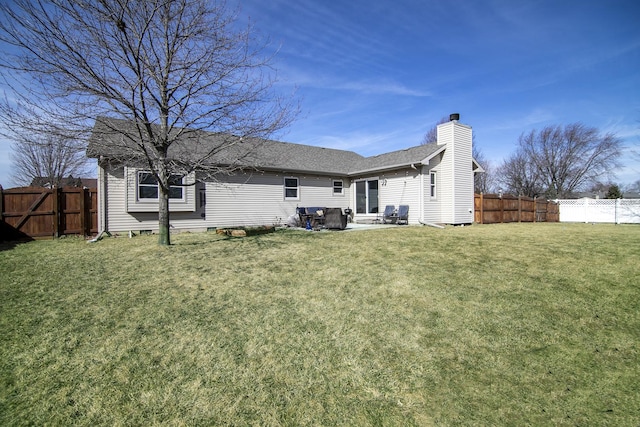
<point x="148" y="186"/>
<point x="291" y="190"/>
<point x="432" y="184"/>
<point x="337" y="187"/>
<point x="367" y="196"/>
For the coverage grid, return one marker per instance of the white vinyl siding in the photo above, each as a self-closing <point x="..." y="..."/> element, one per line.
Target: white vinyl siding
<point x="401" y="187"/>
<point x="119" y="218"/>
<point x="455" y="175"/>
<point x="241" y="200"/>
<point x="431" y="207"/>
<point x="257" y="199"/>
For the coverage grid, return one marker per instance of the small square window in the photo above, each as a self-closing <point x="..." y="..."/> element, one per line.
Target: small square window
<point x="291" y="190"/>
<point x="338" y="188"/>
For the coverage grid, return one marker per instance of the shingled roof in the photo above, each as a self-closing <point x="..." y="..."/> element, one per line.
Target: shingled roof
<point x="107" y="142"/>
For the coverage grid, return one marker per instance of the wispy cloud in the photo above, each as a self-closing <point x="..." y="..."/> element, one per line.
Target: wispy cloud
<point x="362" y="142"/>
<point x="371" y="86"/>
<point x="536" y="116"/>
<point x="383" y="86"/>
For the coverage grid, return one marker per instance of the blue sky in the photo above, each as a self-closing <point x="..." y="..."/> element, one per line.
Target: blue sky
<point x="374" y="76"/>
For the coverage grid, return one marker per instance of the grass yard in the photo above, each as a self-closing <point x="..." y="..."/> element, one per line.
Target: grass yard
<point x="514" y="324"/>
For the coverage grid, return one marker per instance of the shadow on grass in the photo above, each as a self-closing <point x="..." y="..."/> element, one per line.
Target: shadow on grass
<point x="10" y="237"/>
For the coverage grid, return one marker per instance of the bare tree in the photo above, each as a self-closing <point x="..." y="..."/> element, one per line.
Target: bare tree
<point x="52" y="158"/>
<point x="170" y="68"/>
<point x="517" y="175"/>
<point x="567" y="159"/>
<point x="432" y="134"/>
<point x="482" y="182"/>
<point x="40" y="148"/>
<point x="634" y="186"/>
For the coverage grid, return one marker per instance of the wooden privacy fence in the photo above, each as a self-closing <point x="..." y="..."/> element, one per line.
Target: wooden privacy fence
<point x="495" y="208"/>
<point x="36" y="212"/>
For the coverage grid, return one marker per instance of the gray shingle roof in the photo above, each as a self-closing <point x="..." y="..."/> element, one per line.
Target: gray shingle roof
<point x="399" y="158"/>
<point x="107" y="141"/>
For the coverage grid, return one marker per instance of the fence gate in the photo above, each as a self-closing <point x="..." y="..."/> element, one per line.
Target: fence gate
<point x="36" y="212"/>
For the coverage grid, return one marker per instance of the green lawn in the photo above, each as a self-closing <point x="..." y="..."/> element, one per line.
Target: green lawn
<point x="514" y="324"/>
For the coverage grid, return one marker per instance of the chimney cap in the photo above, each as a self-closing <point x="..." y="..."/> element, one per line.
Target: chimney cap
<point x="454" y="117"/>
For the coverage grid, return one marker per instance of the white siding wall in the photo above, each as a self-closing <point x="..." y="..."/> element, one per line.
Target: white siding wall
<point x="259" y="198"/>
<point x="244" y="200"/>
<point x="456" y="173"/>
<point x="432" y="206"/>
<point x="118" y="219"/>
<point x="463" y="175"/>
<point x="401" y="187"/>
<point x="445" y="173"/>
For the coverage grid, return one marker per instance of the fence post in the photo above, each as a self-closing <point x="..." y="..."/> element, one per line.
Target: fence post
<point x="56" y="211"/>
<point x="519" y="208"/>
<point x="535" y="209"/>
<point x="83" y="213"/>
<point x="481" y="207"/>
<point x="1" y="204"/>
<point x="586" y="210"/>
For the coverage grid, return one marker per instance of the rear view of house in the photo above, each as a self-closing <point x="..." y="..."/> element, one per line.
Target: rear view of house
<point x="434" y="180"/>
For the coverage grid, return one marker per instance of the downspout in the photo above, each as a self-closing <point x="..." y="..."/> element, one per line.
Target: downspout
<point x="421" y="198"/>
<point x="101" y="204"/>
<point x="430" y="224"/>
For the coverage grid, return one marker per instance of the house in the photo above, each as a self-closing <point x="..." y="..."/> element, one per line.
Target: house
<point x="435" y="180"/>
<point x="69" y="181"/>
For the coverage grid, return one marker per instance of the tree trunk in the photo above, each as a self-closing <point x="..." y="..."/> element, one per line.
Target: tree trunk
<point x="163" y="216"/>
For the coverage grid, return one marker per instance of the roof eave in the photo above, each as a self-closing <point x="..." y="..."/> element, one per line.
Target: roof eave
<point x="302" y="171"/>
<point x="477" y="167"/>
<point x="385" y="168"/>
<point x="427" y="159"/>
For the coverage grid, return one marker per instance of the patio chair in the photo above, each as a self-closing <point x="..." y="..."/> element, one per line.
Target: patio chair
<point x="403" y="214"/>
<point x="389" y="214"/>
<point x="335" y="219"/>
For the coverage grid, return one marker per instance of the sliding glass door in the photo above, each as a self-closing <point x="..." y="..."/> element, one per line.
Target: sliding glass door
<point x="367" y="196"/>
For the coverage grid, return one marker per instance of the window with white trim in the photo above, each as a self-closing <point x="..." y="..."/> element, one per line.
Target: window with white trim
<point x="432" y="184"/>
<point x="291" y="188"/>
<point x="338" y="187"/>
<point x="148" y="186"/>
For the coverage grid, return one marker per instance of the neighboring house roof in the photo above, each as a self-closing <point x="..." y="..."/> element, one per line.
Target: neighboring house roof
<point x="107" y="141"/>
<point x="70" y="181"/>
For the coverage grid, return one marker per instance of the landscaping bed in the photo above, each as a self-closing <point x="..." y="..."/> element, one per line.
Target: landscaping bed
<point x="246" y="231"/>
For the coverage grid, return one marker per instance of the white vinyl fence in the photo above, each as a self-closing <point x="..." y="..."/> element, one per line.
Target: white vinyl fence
<point x="618" y="211"/>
